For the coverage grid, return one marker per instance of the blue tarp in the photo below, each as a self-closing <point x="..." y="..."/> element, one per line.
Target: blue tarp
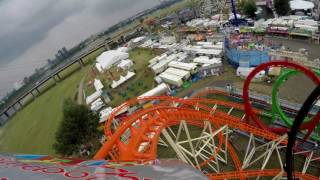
<point x="255" y="57"/>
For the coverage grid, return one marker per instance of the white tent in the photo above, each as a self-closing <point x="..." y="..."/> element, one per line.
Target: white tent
<point x="93" y="97"/>
<point x="301" y="5"/>
<point x="97" y="104"/>
<point x="138" y="39"/>
<point x="104" y="114"/>
<point x="98" y="66"/>
<point x="122" y="79"/>
<point x="125" y="64"/>
<point x="157" y="91"/>
<point x="109" y="58"/>
<point x="123" y="49"/>
<point x="206" y="60"/>
<point x="98" y="84"/>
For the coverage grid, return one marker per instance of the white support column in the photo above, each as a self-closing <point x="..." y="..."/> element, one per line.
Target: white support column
<point x="231" y="109"/>
<point x="307" y="163"/>
<point x="214" y="108"/>
<point x="279" y="176"/>
<point x="243" y="117"/>
<point x="161" y="142"/>
<point x="249" y="151"/>
<point x="267" y="149"/>
<point x="173" y="145"/>
<point x="190" y="142"/>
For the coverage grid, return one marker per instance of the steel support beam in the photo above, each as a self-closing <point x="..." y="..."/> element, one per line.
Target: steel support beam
<point x="173" y="145"/>
<point x="6" y="114"/>
<point x="34" y="96"/>
<point x="81" y="63"/>
<point x="59" y="77"/>
<point x="19" y="102"/>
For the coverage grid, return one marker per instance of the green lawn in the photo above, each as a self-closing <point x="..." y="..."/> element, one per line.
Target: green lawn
<point x="32" y="129"/>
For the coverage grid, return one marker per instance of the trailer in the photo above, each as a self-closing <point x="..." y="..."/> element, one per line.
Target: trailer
<point x="206" y="60"/>
<point x="157" y="91"/>
<point x="244" y="72"/>
<point x="211" y="45"/>
<point x="171" y="79"/>
<point x="163" y="64"/>
<point x="182" y="73"/>
<point x="157" y="59"/>
<point x="191" y="67"/>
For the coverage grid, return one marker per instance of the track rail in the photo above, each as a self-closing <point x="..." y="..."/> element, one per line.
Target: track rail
<point x="137" y="136"/>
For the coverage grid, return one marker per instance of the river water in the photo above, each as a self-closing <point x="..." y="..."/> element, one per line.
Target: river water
<point x="32" y="31"/>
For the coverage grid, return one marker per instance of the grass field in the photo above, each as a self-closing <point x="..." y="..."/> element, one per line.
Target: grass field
<point x="32" y="129"/>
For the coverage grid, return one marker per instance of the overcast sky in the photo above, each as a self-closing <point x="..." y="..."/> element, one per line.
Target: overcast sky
<point x="33" y="30"/>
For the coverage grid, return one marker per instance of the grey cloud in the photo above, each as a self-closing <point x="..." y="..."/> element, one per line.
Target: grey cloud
<point x="17" y="37"/>
<point x="33" y="30"/>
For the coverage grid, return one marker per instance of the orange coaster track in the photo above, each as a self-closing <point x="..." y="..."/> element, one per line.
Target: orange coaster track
<point x="136" y="138"/>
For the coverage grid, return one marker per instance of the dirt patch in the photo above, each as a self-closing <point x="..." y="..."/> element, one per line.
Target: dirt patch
<point x="297" y="88"/>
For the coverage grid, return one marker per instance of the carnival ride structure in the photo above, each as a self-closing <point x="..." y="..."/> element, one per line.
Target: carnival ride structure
<point x="276" y="107"/>
<point x="231" y="141"/>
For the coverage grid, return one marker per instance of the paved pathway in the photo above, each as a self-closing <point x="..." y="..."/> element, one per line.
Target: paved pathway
<point x="80" y="92"/>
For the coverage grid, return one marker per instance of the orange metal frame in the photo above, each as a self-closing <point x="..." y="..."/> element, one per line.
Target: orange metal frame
<point x="165" y="114"/>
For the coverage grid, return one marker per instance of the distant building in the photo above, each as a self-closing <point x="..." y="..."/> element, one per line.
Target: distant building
<point x="186" y="15"/>
<point x="18" y="85"/>
<point x="62" y="54"/>
<point x="58" y="57"/>
<point x="173" y="18"/>
<point x="65" y="51"/>
<point x="316" y="12"/>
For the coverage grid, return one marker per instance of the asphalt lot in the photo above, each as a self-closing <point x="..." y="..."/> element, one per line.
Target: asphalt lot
<point x="297" y="88"/>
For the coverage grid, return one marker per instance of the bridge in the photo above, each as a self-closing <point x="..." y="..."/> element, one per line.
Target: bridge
<point x="104" y="42"/>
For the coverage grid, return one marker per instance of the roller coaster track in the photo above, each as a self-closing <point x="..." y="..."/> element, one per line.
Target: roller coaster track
<point x="167" y="123"/>
<point x="251" y="115"/>
<point x="276" y="108"/>
<point x="255" y="173"/>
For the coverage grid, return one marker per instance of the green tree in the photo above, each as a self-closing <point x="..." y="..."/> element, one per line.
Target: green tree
<point x="240" y="5"/>
<point x="249" y="8"/>
<point x="282" y="7"/>
<point x="79" y="126"/>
